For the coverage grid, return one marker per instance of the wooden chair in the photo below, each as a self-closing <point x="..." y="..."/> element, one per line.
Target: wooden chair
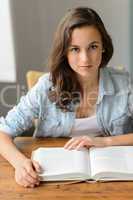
<point x="32" y="77"/>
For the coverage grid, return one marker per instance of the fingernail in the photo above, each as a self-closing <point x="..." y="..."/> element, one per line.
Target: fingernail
<point x="39" y="170"/>
<point x="32" y="186"/>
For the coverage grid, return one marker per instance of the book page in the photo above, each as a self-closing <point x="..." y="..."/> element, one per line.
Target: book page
<point x="55" y="161"/>
<point x="109" y="160"/>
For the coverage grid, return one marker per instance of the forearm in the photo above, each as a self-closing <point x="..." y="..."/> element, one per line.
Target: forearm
<point x="123" y="140"/>
<point x="9" y="151"/>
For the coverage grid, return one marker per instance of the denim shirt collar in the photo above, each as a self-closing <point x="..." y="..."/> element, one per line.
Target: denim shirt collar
<point x="106" y="86"/>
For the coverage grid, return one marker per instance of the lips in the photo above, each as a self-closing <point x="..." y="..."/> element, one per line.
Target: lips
<point x="88" y="66"/>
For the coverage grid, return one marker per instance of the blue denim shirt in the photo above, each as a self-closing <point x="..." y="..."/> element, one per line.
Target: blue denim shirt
<point x="114" y="109"/>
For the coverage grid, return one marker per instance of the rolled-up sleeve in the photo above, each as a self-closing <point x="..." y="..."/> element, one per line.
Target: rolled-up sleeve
<point x="20" y="118"/>
<point x="130" y="99"/>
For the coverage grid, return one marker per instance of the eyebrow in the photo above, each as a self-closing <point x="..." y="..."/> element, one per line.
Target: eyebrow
<point x="94" y="42"/>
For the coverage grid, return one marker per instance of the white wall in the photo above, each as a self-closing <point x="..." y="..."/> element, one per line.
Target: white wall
<point x="116" y="17"/>
<point x="7" y="57"/>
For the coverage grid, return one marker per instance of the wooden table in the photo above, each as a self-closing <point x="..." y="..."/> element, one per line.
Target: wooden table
<point x="9" y="190"/>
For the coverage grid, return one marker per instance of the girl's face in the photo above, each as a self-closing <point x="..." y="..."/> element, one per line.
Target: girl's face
<point x="85" y="51"/>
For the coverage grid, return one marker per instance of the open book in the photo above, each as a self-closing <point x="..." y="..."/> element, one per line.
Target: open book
<point x="105" y="164"/>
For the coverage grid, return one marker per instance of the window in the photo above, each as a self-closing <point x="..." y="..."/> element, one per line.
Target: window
<point x="7" y="54"/>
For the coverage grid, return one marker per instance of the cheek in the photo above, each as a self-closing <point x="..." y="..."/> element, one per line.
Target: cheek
<point x="97" y="58"/>
<point x="71" y="60"/>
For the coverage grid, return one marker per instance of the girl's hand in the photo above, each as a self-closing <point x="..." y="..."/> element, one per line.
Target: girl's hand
<point x="26" y="173"/>
<point x="85" y="141"/>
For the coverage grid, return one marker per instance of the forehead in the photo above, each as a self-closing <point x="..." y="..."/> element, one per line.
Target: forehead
<point x="85" y="34"/>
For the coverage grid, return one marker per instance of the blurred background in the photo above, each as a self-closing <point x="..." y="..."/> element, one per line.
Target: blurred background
<point x="27" y="29"/>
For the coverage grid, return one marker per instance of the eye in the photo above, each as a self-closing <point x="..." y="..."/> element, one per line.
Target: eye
<point x="74" y="49"/>
<point x="93" y="46"/>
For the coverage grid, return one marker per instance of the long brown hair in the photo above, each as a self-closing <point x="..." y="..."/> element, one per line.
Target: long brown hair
<point x="65" y="83"/>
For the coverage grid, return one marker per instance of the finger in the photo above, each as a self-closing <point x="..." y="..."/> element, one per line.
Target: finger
<point x="70" y="142"/>
<point x="27" y="184"/>
<point x="89" y="141"/>
<point x="31" y="172"/>
<point x="30" y="179"/>
<point x="83" y="144"/>
<point x="74" y="144"/>
<point x="24" y="182"/>
<point x="22" y="178"/>
<point x="80" y="145"/>
<point x="27" y="177"/>
<point x="37" y="166"/>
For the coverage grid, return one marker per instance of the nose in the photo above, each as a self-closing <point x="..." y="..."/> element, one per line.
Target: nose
<point x="84" y="58"/>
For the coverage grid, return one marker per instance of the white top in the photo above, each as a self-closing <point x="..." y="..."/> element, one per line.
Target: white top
<point x="86" y="126"/>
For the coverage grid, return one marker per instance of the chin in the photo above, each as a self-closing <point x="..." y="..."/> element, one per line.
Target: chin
<point x="85" y="75"/>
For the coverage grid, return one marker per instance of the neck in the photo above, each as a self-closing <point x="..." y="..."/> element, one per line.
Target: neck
<point x="89" y="84"/>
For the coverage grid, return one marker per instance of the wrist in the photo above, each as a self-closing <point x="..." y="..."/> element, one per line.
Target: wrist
<point x="19" y="162"/>
<point x="107" y="141"/>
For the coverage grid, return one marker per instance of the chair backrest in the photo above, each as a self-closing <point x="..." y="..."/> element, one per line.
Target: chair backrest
<point x="32" y="77"/>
